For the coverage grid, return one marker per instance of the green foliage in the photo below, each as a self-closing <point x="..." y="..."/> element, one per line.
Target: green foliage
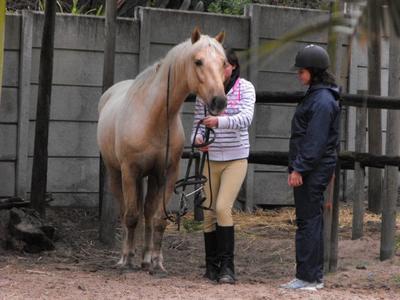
<point x="396" y="280"/>
<point x="75" y="10"/>
<point x="231" y="7"/>
<point x="236" y="7"/>
<point x="191" y="225"/>
<point x="42" y="5"/>
<point x="316" y="4"/>
<point x="75" y="7"/>
<point x="100" y="11"/>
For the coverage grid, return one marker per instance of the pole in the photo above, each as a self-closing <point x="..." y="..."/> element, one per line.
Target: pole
<point x="39" y="168"/>
<point x="107" y="206"/>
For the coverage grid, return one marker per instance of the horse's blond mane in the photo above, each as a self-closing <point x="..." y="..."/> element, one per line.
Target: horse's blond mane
<point x="176" y="57"/>
<point x="179" y="51"/>
<point x="147" y="75"/>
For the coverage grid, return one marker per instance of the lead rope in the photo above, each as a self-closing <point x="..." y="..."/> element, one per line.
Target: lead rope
<point x="167" y="215"/>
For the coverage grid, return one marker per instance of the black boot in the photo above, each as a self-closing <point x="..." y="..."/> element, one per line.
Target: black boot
<point x="212" y="262"/>
<point x="226" y="245"/>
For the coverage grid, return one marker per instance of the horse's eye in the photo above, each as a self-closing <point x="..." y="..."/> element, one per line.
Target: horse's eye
<point x="198" y="62"/>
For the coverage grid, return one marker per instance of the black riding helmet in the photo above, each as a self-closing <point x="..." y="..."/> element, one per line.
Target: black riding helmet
<point x="312" y="56"/>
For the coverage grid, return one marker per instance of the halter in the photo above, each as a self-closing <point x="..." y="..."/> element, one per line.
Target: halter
<point x="198" y="180"/>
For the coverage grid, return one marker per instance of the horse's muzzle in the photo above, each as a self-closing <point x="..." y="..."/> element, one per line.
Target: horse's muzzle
<point x="217" y="105"/>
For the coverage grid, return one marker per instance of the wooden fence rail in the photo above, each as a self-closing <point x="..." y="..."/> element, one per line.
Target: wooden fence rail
<point x="347" y="159"/>
<point x="346" y="99"/>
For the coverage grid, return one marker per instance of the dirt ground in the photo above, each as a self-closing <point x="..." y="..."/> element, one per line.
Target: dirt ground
<point x="81" y="268"/>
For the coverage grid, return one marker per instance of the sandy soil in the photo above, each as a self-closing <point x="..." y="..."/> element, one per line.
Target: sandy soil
<point x="81" y="268"/>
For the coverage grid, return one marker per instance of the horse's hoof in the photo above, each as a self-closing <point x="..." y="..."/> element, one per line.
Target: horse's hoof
<point x="123" y="263"/>
<point x="157" y="269"/>
<point x="121" y="266"/>
<point x="146" y="266"/>
<point x="159" y="273"/>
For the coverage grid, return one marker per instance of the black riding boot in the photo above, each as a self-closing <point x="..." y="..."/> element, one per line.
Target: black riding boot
<point x="226" y="245"/>
<point x="212" y="262"/>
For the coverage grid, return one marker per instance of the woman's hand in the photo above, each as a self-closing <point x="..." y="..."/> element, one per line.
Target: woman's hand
<point x="295" y="179"/>
<point x="210" y="122"/>
<point x="199" y="141"/>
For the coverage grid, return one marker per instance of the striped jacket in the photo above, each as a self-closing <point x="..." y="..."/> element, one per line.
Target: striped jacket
<point x="232" y="137"/>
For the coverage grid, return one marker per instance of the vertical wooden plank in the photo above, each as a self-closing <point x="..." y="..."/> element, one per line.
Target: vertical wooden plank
<point x="374" y="115"/>
<point x="328" y="201"/>
<point x="143" y="16"/>
<point x="388" y="229"/>
<point x="2" y="35"/>
<point x="108" y="207"/>
<point x="39" y="169"/>
<point x="328" y="206"/>
<point x="24" y="94"/>
<point x="254" y="12"/>
<point x="333" y="259"/>
<point x="359" y="174"/>
<point x="334" y="47"/>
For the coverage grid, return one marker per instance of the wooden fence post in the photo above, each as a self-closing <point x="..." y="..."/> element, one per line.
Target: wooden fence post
<point x="388" y="229"/>
<point x="2" y="34"/>
<point x="334" y="50"/>
<point x="39" y="168"/>
<point x="374" y="115"/>
<point x="108" y="207"/>
<point x="359" y="174"/>
<point x="252" y="11"/>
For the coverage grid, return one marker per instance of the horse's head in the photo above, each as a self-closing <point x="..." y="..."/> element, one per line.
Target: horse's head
<point x="206" y="70"/>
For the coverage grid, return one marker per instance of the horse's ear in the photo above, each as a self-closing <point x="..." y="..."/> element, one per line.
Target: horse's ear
<point x="196" y="34"/>
<point x="220" y="37"/>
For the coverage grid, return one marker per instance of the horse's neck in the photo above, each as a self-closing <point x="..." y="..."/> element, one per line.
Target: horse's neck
<point x="176" y="89"/>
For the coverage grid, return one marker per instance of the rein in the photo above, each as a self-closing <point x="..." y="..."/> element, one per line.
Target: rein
<point x="197" y="180"/>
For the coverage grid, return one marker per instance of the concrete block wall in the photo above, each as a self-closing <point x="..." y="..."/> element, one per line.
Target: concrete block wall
<point x="273" y="121"/>
<point x="77" y="80"/>
<point x="77" y="85"/>
<point x="9" y="107"/>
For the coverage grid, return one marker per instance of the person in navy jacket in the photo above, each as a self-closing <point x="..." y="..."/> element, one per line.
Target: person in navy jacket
<point x="312" y="160"/>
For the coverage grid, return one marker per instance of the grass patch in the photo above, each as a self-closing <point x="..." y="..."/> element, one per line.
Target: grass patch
<point x="397" y="246"/>
<point x="396" y="280"/>
<point x="191" y="225"/>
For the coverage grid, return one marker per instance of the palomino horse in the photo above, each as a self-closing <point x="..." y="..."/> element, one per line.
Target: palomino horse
<point x="132" y="135"/>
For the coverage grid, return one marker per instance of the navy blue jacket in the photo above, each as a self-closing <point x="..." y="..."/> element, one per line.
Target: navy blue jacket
<point x="315" y="129"/>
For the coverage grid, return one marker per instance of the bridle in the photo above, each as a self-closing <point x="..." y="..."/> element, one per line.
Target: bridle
<point x="198" y="180"/>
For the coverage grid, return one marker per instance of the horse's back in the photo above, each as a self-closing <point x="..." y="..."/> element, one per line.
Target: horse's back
<point x="116" y="91"/>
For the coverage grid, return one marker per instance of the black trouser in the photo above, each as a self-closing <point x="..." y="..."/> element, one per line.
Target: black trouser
<point x="309" y="200"/>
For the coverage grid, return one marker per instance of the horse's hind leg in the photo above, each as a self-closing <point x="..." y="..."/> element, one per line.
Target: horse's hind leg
<point x="153" y="192"/>
<point x="131" y="187"/>
<point x="155" y="218"/>
<point x="159" y="227"/>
